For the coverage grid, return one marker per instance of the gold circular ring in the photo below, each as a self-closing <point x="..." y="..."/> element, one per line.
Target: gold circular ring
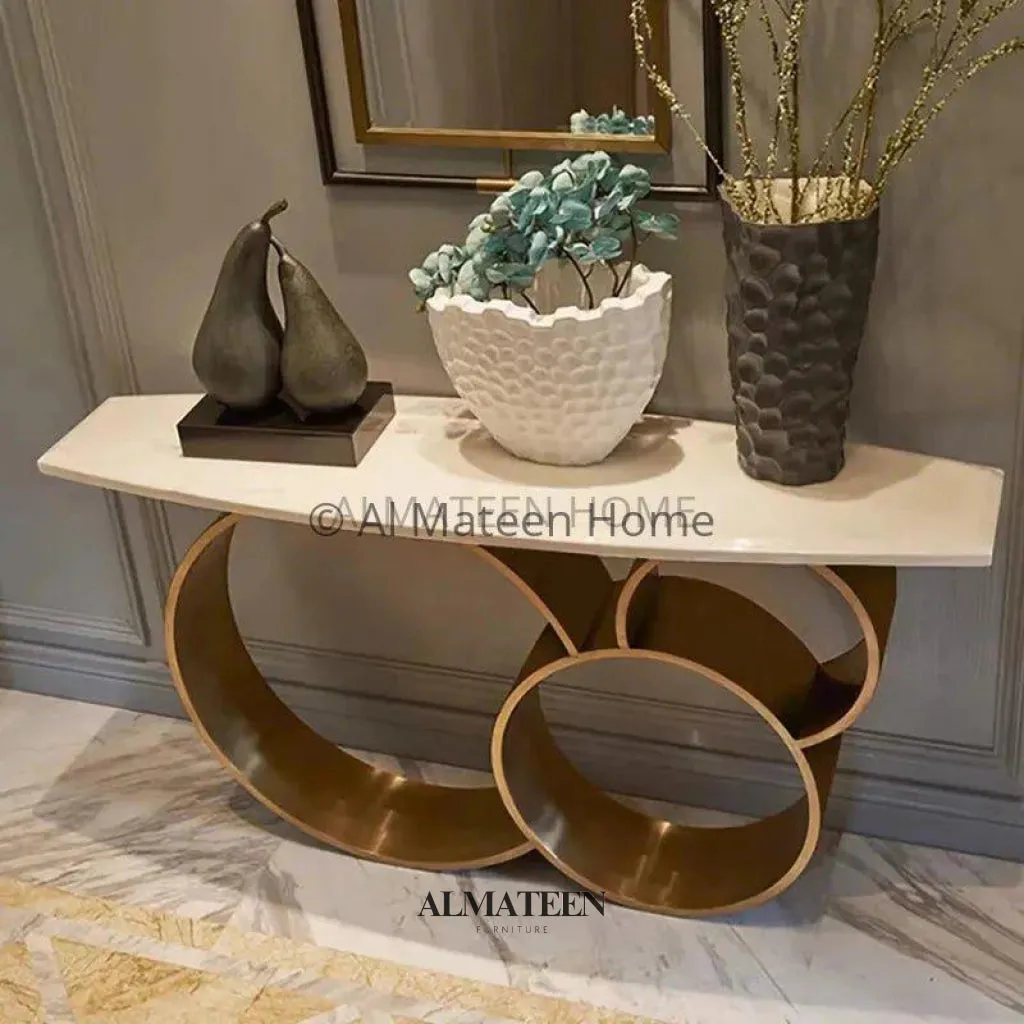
<point x="635" y="859"/>
<point x="298" y="774"/>
<point x="842" y="688"/>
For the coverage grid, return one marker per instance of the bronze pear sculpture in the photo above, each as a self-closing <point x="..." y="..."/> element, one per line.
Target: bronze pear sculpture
<point x="237" y="351"/>
<point x="323" y="366"/>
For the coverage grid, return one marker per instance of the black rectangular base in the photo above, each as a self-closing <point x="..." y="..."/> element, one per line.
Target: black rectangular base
<point x="276" y="434"/>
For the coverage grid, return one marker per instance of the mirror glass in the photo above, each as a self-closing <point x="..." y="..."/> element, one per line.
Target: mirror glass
<point x="495" y="73"/>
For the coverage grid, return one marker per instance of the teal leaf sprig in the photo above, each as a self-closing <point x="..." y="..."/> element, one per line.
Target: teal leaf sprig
<point x="618" y="122"/>
<point x="583" y="212"/>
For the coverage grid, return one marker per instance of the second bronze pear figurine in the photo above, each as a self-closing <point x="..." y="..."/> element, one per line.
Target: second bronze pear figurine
<point x="323" y="366"/>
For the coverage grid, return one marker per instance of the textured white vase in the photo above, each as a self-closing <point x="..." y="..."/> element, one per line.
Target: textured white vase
<point x="562" y="388"/>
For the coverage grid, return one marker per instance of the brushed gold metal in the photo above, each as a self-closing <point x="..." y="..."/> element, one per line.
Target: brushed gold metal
<point x="470" y="138"/>
<point x="492" y="185"/>
<point x="569" y="590"/>
<point x="637" y="860"/>
<point x="540" y="800"/>
<point x="735" y="637"/>
<point x="368" y="133"/>
<point x="733" y="643"/>
<point x="846" y="685"/>
<point x="299" y="775"/>
<point x="673" y="614"/>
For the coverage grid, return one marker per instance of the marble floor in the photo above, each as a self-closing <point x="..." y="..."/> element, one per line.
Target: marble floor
<point x="122" y="824"/>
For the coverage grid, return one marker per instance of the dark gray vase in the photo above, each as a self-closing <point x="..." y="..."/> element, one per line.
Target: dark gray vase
<point x="798" y="300"/>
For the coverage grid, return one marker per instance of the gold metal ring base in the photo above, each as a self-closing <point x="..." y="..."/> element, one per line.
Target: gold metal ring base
<point x="540" y="799"/>
<point x="290" y="768"/>
<point x="638" y="860"/>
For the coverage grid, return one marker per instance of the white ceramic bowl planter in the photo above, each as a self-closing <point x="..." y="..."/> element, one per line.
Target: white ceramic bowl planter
<point x="562" y="388"/>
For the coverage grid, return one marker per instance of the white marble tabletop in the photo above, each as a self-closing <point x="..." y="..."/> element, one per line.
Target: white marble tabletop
<point x="672" y="490"/>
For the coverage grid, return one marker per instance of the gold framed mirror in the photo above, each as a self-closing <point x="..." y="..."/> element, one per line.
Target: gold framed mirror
<point x="484" y="74"/>
<point x="395" y="101"/>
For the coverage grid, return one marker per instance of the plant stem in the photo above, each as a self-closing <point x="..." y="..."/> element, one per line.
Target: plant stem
<point x="896" y="31"/>
<point x="789" y="94"/>
<point x="773" y="146"/>
<point x="937" y="9"/>
<point x="616" y="286"/>
<point x="583" y="277"/>
<point x="963" y="32"/>
<point x="918" y="126"/>
<point x="955" y="24"/>
<point x="529" y="301"/>
<point x="632" y="260"/>
<point x="640" y="22"/>
<point x="869" y="114"/>
<point x="794" y="150"/>
<point x="731" y="16"/>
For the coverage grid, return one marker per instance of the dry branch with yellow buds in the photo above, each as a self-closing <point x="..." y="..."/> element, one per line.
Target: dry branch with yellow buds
<point x="831" y="185"/>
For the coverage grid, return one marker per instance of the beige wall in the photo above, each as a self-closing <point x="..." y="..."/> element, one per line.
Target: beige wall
<point x="193" y="114"/>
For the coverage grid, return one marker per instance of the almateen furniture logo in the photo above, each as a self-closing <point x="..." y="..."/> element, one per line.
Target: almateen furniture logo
<point x="524" y="903"/>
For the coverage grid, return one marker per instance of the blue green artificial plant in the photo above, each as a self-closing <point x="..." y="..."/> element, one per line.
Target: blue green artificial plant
<point x="584" y="211"/>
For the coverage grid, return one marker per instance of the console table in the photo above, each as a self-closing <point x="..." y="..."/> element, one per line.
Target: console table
<point x="887" y="509"/>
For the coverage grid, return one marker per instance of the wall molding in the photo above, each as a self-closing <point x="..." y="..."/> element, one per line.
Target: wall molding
<point x="947" y="816"/>
<point x="1009" y="726"/>
<point x="25" y="622"/>
<point x="101" y="347"/>
<point x="323" y="677"/>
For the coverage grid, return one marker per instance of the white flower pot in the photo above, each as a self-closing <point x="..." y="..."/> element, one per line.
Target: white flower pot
<point x="562" y="388"/>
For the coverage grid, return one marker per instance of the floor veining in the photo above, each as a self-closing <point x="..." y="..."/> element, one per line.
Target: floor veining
<point x="129" y="861"/>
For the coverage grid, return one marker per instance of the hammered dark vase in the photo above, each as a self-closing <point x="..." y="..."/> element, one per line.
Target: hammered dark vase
<point x="798" y="299"/>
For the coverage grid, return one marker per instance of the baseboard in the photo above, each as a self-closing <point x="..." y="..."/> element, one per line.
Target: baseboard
<point x="119" y="682"/>
<point x="976" y="821"/>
